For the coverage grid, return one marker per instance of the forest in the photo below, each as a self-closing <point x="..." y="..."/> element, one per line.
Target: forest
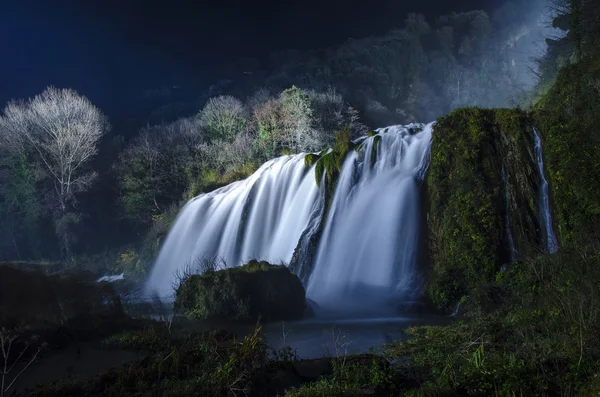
<point x="295" y="103"/>
<point x="83" y="196"/>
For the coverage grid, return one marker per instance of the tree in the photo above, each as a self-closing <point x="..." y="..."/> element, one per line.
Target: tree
<point x="62" y="130"/>
<point x="266" y="117"/>
<point x="297" y="117"/>
<point x="223" y="117"/>
<point x="157" y="167"/>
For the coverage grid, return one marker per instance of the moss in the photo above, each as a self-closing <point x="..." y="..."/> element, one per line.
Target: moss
<point x="466" y="215"/>
<point x="568" y="117"/>
<point x="529" y="343"/>
<point x="376" y="142"/>
<point x="310" y="159"/>
<point x="329" y="166"/>
<point x="254" y="291"/>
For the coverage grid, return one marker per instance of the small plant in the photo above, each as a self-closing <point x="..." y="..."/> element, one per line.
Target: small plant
<point x="9" y="339"/>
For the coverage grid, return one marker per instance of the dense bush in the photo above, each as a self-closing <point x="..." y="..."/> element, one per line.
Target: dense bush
<point x="254" y="291"/>
<point x="540" y="337"/>
<point x="32" y="299"/>
<point x="208" y="364"/>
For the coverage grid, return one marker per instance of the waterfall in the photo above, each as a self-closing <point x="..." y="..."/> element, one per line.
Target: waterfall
<point x="261" y="217"/>
<point x="551" y="242"/>
<point x="511" y="241"/>
<point x="368" y="250"/>
<point x="368" y="247"/>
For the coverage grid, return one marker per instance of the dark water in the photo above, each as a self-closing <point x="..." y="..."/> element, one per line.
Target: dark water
<point x="328" y="334"/>
<point x="318" y="337"/>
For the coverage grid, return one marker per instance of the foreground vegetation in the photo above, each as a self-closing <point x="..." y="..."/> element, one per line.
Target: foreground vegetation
<point x="533" y="330"/>
<point x="528" y="328"/>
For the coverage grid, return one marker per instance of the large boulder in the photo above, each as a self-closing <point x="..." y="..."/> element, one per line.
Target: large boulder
<point x="257" y="290"/>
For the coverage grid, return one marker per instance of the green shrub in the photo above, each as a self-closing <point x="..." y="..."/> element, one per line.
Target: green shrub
<point x="541" y="338"/>
<point x="254" y="291"/>
<point x="151" y="338"/>
<point x="207" y="364"/>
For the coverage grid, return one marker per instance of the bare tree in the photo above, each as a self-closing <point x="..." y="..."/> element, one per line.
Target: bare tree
<point x="297" y="118"/>
<point x="7" y="342"/>
<point x="61" y="129"/>
<point x="64" y="129"/>
<point x="223" y="117"/>
<point x="12" y="140"/>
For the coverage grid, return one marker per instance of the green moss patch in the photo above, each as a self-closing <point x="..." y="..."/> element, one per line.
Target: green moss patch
<point x="466" y="197"/>
<point x="329" y="166"/>
<point x="254" y="291"/>
<point x="568" y="117"/>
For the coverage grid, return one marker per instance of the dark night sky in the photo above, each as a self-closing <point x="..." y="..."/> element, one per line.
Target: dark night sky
<point x="113" y="50"/>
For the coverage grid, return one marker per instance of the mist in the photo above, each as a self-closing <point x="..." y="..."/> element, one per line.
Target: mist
<point x="418" y="71"/>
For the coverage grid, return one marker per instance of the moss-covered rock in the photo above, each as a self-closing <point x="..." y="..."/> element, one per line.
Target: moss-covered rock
<point x="254" y="291"/>
<point x="311" y="158"/>
<point x="329" y="165"/>
<point x="467" y="211"/>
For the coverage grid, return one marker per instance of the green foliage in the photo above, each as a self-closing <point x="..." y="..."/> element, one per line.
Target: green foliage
<point x="20" y="208"/>
<point x="329" y="165"/>
<point x="207" y="364"/>
<point x="423" y="69"/>
<point x="568" y="118"/>
<point x="310" y="159"/>
<point x="466" y="197"/>
<point x="150" y="339"/>
<point x="541" y="339"/>
<point x="352" y="376"/>
<point x="254" y="291"/>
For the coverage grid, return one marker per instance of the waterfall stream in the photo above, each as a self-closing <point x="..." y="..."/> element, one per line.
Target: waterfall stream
<point x="261" y="217"/>
<point x="511" y="241"/>
<point x="368" y="251"/>
<point x="368" y="248"/>
<point x="551" y="241"/>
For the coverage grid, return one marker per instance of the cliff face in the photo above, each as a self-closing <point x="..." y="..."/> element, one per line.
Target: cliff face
<point x="467" y="205"/>
<point x="568" y="117"/>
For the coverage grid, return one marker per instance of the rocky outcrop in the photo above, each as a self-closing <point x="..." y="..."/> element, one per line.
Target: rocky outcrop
<point x="468" y="239"/>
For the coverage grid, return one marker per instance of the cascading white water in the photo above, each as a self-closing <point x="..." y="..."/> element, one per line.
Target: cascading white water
<point x="261" y="218"/>
<point x="369" y="244"/>
<point x="511" y="241"/>
<point x="368" y="250"/>
<point x="551" y="241"/>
